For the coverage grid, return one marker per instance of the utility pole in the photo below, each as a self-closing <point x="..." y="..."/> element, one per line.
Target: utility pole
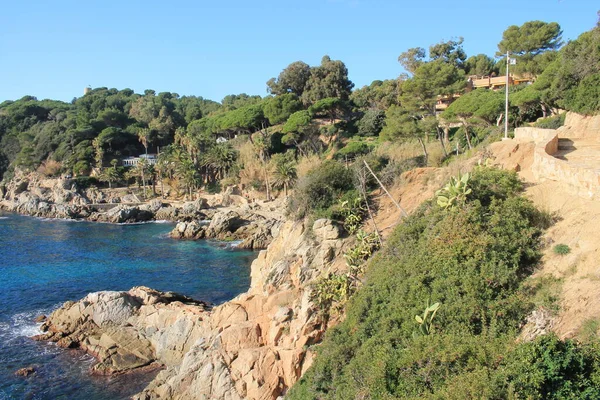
<point x="506" y="105"/>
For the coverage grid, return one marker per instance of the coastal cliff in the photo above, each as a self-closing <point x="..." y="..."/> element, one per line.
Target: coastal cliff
<point x="253" y="347"/>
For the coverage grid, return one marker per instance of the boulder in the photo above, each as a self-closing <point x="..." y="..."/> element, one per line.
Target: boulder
<point x="27" y="371"/>
<point x="326" y="229"/>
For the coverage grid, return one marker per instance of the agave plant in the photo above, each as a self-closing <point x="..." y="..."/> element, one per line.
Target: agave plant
<point x="455" y="192"/>
<point x="426" y="320"/>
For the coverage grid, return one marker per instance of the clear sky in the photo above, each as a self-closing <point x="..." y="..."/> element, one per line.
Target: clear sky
<point x="53" y="49"/>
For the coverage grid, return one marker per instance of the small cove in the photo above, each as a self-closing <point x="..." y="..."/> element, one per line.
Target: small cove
<point x="44" y="263"/>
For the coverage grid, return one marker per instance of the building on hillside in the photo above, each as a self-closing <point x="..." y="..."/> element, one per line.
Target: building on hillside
<point x="494" y="82"/>
<point x="133" y="161"/>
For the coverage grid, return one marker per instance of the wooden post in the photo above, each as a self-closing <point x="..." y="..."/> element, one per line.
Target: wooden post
<point x="402" y="211"/>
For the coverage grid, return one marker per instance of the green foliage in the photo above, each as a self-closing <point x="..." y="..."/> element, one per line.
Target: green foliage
<point x="297" y="122"/>
<point x="529" y="43"/>
<point x="471" y="259"/>
<point x="353" y="149"/>
<point x="321" y="189"/>
<point x="484" y="104"/>
<point x="371" y="123"/>
<point x="284" y="170"/>
<point x="488" y="184"/>
<point x="292" y="79"/>
<point x="367" y="244"/>
<point x="425" y="321"/>
<point x="84" y="182"/>
<point x="328" y="80"/>
<point x="353" y="212"/>
<point x="278" y="109"/>
<point x="378" y="95"/>
<point x="331" y="292"/>
<point x="562" y="82"/>
<point x="480" y="65"/>
<point x="561" y="249"/>
<point x="549" y="368"/>
<point x="455" y="193"/>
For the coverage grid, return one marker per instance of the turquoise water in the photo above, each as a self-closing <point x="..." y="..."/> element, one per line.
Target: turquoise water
<point x="44" y="263"/>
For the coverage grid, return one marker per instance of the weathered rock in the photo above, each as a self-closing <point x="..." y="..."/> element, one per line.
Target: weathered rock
<point x="326" y="229"/>
<point x="128" y="330"/>
<point x="40" y="318"/>
<point x="256" y="346"/>
<point x="167" y="214"/>
<point x="27" y="371"/>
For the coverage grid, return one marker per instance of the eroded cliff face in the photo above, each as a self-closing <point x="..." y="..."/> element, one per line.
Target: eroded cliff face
<point x="253" y="347"/>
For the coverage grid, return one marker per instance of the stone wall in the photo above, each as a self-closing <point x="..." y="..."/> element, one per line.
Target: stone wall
<point x="581" y="127"/>
<point x="583" y="181"/>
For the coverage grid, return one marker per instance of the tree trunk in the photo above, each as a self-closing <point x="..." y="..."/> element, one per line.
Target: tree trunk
<point x="466" y="126"/>
<point x="424" y="150"/>
<point x="441" y="138"/>
<point x="267" y="184"/>
<point x="499" y="119"/>
<point x="144" y="183"/>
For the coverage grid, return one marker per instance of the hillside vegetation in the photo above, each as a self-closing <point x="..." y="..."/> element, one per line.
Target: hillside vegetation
<point x="442" y="307"/>
<point x="311" y="113"/>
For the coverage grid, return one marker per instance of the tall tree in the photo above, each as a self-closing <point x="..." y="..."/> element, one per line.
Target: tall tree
<point x="450" y="52"/>
<point x="330" y="79"/>
<point x="529" y="43"/>
<point x="412" y="58"/>
<point x="292" y="79"/>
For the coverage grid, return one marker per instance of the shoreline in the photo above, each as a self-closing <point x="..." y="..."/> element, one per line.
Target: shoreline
<point x="227" y="216"/>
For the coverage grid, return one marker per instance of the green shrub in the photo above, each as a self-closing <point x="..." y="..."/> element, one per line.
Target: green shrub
<point x="471" y="259"/>
<point x="553" y="122"/>
<point x="321" y="189"/>
<point x="84" y="182"/>
<point x="331" y="292"/>
<point x="561" y="249"/>
<point x="549" y="368"/>
<point x="353" y="149"/>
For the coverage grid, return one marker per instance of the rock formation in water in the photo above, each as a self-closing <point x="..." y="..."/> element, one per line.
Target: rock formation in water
<point x="226" y="216"/>
<point x="253" y="347"/>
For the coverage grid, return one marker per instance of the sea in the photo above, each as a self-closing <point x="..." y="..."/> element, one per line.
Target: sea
<point x="45" y="262"/>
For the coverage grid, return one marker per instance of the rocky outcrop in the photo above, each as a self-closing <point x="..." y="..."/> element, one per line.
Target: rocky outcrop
<point x="253" y="347"/>
<point x="32" y="195"/>
<point x="254" y="229"/>
<point x="128" y="330"/>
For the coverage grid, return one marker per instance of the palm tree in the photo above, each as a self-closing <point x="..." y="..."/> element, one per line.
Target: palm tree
<point x="144" y="137"/>
<point x="139" y="171"/>
<point x="261" y="146"/>
<point x="284" y="172"/>
<point x="219" y="159"/>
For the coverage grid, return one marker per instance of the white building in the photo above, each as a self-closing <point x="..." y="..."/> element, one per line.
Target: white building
<point x="151" y="159"/>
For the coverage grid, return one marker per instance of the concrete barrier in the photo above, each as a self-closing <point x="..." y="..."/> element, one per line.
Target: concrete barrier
<point x="583" y="181"/>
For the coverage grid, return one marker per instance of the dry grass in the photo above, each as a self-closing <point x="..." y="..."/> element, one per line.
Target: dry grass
<point x="307" y="163"/>
<point x="50" y="168"/>
<point x="401" y="151"/>
<point x="252" y="166"/>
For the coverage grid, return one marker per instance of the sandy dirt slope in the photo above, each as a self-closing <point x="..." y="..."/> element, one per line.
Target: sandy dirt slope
<point x="578" y="226"/>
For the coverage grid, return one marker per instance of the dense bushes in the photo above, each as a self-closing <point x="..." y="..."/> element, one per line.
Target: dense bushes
<point x="473" y="260"/>
<point x="321" y="189"/>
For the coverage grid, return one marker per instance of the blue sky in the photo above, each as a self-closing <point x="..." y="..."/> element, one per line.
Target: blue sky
<point x="53" y="49"/>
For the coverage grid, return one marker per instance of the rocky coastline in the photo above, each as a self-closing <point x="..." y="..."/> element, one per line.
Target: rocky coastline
<point x="254" y="346"/>
<point x="226" y="216"/>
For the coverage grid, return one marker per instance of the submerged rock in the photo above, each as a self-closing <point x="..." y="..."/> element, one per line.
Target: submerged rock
<point x="27" y="371"/>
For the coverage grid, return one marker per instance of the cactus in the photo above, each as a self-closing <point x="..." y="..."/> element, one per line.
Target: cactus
<point x="454" y="193"/>
<point x="426" y="321"/>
